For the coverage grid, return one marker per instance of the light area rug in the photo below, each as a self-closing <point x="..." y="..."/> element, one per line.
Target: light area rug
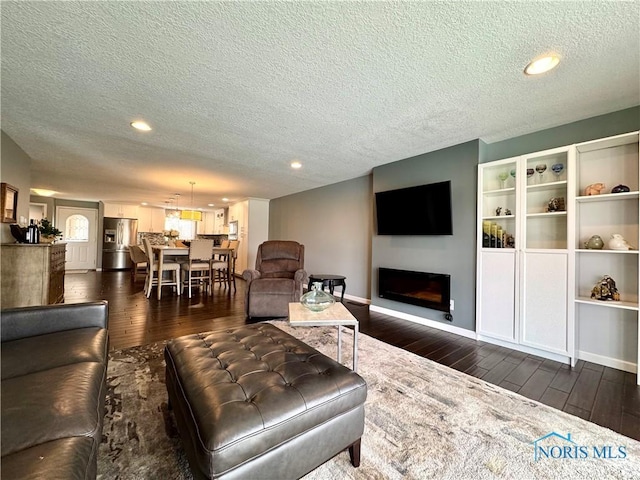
<point x="423" y="420"/>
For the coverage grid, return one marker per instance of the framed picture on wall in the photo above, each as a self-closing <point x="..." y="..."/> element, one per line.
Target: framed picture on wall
<point x="9" y="202"/>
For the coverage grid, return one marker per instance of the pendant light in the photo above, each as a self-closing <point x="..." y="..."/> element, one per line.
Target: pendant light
<point x="194" y="215"/>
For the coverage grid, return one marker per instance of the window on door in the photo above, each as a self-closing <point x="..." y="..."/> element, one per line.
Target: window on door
<point x="76" y="229"/>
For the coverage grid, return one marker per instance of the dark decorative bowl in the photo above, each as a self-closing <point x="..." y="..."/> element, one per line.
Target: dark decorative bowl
<point x="19" y="233"/>
<point x="620" y="189"/>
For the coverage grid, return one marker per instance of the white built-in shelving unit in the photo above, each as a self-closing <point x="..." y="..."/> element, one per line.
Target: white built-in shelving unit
<point x="535" y="296"/>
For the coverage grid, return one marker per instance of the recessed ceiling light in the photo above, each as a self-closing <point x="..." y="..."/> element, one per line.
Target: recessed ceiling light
<point x="43" y="192"/>
<point x="211" y="204"/>
<point x="144" y="204"/>
<point x="542" y="65"/>
<point x="296" y="164"/>
<point x="140" y="125"/>
<point x="225" y="199"/>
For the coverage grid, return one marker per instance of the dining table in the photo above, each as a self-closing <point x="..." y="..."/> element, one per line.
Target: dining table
<point x="172" y="251"/>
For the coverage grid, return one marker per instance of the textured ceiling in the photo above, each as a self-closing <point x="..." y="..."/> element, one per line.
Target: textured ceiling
<point x="235" y="91"/>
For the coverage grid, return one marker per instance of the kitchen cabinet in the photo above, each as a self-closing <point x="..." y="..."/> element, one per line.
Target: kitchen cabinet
<point x="208" y="224"/>
<point x="151" y="219"/>
<point x="213" y="222"/>
<point x="120" y="210"/>
<point x="32" y="274"/>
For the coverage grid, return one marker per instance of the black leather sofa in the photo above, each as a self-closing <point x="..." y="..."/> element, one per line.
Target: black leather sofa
<point x="54" y="362"/>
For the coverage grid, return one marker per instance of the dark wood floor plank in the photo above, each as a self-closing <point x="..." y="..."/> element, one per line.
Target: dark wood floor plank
<point x="476" y="371"/>
<point x="515" y="357"/>
<point x="499" y="372"/>
<point x="631" y="399"/>
<point x="509" y="386"/>
<point x="522" y="372"/>
<point x="565" y="380"/>
<point x="554" y="398"/>
<point x="467" y="362"/>
<point x="492" y="360"/>
<point x="550" y="365"/>
<point x="613" y="375"/>
<point x="447" y="349"/>
<point x="593" y="366"/>
<point x="607" y="407"/>
<point x="578" y="412"/>
<point x="535" y="387"/>
<point x="585" y="389"/>
<point x="630" y="426"/>
<point x="456" y="356"/>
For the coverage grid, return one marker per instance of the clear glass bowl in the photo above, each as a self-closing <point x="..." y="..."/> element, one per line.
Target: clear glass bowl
<point x="316" y="299"/>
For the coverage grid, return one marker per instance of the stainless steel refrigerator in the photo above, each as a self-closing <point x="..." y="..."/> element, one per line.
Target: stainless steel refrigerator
<point x="119" y="233"/>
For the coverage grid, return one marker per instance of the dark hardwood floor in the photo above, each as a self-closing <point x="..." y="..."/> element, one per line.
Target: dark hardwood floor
<point x="599" y="394"/>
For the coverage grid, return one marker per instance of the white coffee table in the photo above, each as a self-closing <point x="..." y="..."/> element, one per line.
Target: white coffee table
<point x="336" y="315"/>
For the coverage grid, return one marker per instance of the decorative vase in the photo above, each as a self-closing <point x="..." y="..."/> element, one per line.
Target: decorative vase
<point x="594" y="243"/>
<point x="316" y="299"/>
<point x="47" y="239"/>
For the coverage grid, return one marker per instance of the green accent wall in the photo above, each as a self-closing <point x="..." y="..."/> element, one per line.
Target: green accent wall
<point x="623" y="121"/>
<point x="449" y="254"/>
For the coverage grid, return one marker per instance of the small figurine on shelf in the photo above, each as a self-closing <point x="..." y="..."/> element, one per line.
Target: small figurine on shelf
<point x="620" y="189"/>
<point x="498" y="210"/>
<point x="594" y="189"/>
<point x="618" y="242"/>
<point x="507" y="211"/>
<point x="556" y="204"/>
<point x="605" y="289"/>
<point x="510" y="241"/>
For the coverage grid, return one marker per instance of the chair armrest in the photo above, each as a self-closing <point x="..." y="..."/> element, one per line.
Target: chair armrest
<point x="251" y="275"/>
<point x="301" y="276"/>
<point x="25" y="322"/>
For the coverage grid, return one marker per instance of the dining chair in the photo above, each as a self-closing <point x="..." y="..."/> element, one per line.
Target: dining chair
<point x="198" y="268"/>
<point x="154" y="271"/>
<point x="139" y="260"/>
<point x="220" y="266"/>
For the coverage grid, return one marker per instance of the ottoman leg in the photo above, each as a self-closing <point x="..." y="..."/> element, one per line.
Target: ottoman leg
<point x="354" y="453"/>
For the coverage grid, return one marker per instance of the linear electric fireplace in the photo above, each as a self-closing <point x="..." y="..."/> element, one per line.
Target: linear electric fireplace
<point x="431" y="290"/>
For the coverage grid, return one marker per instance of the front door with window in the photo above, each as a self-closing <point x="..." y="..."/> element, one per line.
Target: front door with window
<point x="80" y="232"/>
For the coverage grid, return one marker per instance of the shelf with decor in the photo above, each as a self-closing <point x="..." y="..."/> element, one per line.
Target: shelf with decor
<point x="607" y="279"/>
<point x="608" y="304"/>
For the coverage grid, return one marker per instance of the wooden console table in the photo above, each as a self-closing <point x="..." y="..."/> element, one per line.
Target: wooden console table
<point x="32" y="274"/>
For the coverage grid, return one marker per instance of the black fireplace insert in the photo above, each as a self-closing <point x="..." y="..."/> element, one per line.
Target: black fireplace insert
<point x="430" y="290"/>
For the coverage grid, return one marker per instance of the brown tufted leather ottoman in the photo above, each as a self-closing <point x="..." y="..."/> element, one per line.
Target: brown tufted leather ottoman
<point x="255" y="402"/>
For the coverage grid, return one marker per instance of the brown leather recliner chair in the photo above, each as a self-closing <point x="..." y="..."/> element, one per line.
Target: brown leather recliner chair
<point x="277" y="279"/>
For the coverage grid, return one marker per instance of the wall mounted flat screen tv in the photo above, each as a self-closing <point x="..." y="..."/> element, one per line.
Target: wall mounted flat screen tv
<point x="421" y="210"/>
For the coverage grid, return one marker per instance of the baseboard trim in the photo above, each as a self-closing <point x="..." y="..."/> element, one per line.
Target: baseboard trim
<point x="365" y="301"/>
<point x="463" y="332"/>
<point x="526" y="349"/>
<point x="608" y="361"/>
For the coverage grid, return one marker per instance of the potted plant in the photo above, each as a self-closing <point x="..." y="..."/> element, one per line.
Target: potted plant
<point x="48" y="233"/>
